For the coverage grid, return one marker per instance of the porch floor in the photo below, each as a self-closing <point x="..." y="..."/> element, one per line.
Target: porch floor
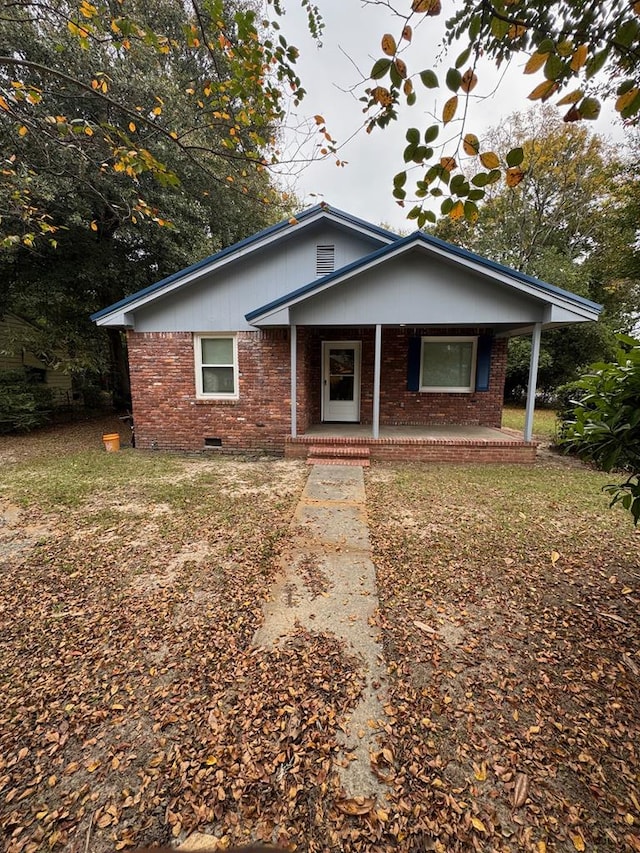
<point x="435" y="443"/>
<point x="447" y="432"/>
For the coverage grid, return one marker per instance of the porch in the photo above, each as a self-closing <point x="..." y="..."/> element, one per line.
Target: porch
<point x="406" y="443"/>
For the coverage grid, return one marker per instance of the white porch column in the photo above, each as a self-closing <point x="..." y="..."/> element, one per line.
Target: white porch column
<point x="533" y="381"/>
<point x="294" y="379"/>
<point x="377" y="361"/>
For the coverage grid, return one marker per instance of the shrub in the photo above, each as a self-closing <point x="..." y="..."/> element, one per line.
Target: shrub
<point x="23" y="404"/>
<point x="605" y="425"/>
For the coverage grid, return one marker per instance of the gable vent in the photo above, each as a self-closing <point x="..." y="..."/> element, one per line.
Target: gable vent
<point x="325" y="259"/>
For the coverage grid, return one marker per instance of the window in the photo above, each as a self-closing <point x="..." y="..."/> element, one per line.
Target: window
<point x="325" y="259"/>
<point x="448" y="364"/>
<point x="216" y="366"/>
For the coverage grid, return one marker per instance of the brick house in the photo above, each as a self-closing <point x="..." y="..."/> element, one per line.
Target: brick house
<point x="327" y="329"/>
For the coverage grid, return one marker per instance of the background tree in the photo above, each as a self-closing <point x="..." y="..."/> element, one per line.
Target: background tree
<point x="108" y="225"/>
<point x="553" y="225"/>
<point x="138" y="88"/>
<point x="594" y="45"/>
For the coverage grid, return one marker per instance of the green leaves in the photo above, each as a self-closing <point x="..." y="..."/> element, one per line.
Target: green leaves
<point x="429" y="79"/>
<point x="380" y="68"/>
<point x="605" y="427"/>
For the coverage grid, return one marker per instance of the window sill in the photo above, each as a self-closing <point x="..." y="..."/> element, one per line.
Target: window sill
<point x="216" y="401"/>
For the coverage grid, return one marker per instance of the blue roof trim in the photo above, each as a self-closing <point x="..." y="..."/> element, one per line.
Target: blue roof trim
<point x="434" y="242"/>
<point x="242" y="244"/>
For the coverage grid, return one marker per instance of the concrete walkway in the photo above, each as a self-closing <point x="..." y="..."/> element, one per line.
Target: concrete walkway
<point x="328" y="586"/>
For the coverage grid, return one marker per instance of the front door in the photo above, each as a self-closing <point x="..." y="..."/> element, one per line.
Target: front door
<point x="341" y="381"/>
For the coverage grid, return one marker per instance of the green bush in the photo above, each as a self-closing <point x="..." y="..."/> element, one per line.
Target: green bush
<point x="604" y="427"/>
<point x="23" y="404"/>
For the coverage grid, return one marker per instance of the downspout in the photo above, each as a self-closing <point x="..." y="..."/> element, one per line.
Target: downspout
<point x="294" y="378"/>
<point x="376" y="382"/>
<point x="533" y="381"/>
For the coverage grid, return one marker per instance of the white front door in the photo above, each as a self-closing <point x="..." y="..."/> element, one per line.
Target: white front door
<point x="341" y="381"/>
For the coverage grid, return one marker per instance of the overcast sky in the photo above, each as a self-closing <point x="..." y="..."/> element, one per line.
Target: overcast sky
<point x="351" y="43"/>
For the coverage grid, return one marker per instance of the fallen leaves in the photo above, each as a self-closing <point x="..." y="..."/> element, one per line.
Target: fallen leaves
<point x="495" y="710"/>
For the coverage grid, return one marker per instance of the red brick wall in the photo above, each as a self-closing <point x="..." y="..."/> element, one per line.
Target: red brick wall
<point x="398" y="406"/>
<point x="167" y="414"/>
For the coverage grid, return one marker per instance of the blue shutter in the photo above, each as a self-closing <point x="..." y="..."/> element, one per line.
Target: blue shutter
<point x="413" y="364"/>
<point x="483" y="362"/>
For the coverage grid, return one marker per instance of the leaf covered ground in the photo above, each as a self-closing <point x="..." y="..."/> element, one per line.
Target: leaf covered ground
<point x="135" y="709"/>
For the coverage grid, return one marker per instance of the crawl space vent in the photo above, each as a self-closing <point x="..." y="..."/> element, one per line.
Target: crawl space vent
<point x="213" y="442"/>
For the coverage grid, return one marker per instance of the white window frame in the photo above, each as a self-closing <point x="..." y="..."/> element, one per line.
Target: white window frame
<point x="453" y="389"/>
<point x="197" y="345"/>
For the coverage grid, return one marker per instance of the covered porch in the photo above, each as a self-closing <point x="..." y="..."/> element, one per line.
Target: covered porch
<point x="402" y="354"/>
<point x="410" y="443"/>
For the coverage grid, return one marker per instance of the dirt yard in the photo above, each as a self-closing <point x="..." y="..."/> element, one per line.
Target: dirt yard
<point x="135" y="709"/>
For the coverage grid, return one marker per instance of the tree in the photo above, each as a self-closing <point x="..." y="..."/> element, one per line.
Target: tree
<point x="550" y="226"/>
<point x="594" y="44"/>
<point x="605" y="428"/>
<point x="112" y="230"/>
<point x="137" y="89"/>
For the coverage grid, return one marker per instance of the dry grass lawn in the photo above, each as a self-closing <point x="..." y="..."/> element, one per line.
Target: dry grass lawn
<point x="135" y="709"/>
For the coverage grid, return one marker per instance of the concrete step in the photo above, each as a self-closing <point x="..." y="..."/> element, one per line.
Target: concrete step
<point x="339" y="450"/>
<point x="343" y="460"/>
<point x="338" y="454"/>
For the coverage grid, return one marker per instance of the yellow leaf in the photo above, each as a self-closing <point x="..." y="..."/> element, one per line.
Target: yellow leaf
<point x="571" y="98"/>
<point x="480" y="772"/>
<point x="156" y="111"/>
<point x="448" y="163"/>
<point x="578" y="841"/>
<point x="94" y="226"/>
<point x="629" y="818"/>
<point x="382" y="96"/>
<point x="535" y="62"/>
<point x="543" y="90"/>
<point x="542" y="847"/>
<point x="469" y="80"/>
<point x="132" y="127"/>
<point x="513" y="176"/>
<point x="624" y="100"/>
<point x="388" y="44"/>
<point x="449" y="109"/>
<point x="478" y="824"/>
<point x="490" y="160"/>
<point x="554" y="557"/>
<point x="407" y="33"/>
<point x="22" y="130"/>
<point x="579" y="57"/>
<point x="92" y="766"/>
<point x="401" y="67"/>
<point x="88" y="131"/>
<point x="516" y="30"/>
<point x="3" y="104"/>
<point x="471" y="144"/>
<point x="430" y="7"/>
<point x="626" y="590"/>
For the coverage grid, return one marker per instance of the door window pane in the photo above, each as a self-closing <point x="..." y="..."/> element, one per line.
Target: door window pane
<point x="341" y="388"/>
<point x="341" y="361"/>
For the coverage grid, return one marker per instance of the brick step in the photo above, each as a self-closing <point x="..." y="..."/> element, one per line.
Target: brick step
<point x="343" y="460"/>
<point x="338" y="450"/>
